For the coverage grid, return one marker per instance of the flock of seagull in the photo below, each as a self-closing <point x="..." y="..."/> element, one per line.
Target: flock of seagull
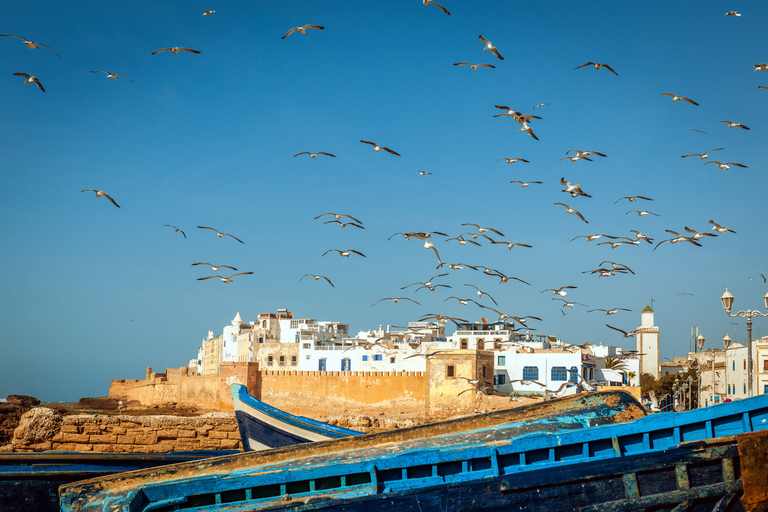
<point x="479" y="235"/>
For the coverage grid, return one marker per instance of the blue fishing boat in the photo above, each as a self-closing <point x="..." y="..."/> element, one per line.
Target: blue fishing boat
<point x="30" y="481"/>
<point x="351" y="468"/>
<point x="263" y="427"/>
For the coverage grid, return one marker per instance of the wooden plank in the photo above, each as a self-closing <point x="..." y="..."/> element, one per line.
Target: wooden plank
<point x="631" y="489"/>
<point x="753" y="454"/>
<point x="681" y="472"/>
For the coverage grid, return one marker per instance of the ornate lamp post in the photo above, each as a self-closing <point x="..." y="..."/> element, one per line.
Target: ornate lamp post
<point x="726" y="344"/>
<point x="727" y="300"/>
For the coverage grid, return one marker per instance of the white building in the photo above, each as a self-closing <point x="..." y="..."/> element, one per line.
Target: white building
<point x="648" y="344"/>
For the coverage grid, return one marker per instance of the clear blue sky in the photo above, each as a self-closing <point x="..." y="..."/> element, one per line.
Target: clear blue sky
<point x="92" y="292"/>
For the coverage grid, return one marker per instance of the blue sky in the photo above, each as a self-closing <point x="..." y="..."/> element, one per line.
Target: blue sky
<point x="93" y="292"/>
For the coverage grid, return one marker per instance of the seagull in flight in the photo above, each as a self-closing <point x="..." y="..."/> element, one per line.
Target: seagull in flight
<point x="590" y="238"/>
<point x="177" y="230"/>
<point x="225" y="279"/>
<point x="482" y="230"/>
<point x="474" y="66"/>
<point x="302" y="30"/>
<point x="344" y="224"/>
<point x="424" y="173"/>
<point x="568" y="209"/>
<point x="215" y="268"/>
<point x="317" y="278"/>
<point x="513" y="160"/>
<point x="463" y="302"/>
<point x="338" y="216"/>
<point x="761" y="67"/>
<point x="574" y="190"/>
<point x="510" y="245"/>
<point x="345" y="254"/>
<point x="642" y="213"/>
<point x="722" y="229"/>
<point x="524" y="184"/>
<point x="540" y="105"/>
<point x="678" y="98"/>
<point x="480" y="293"/>
<point x="731" y="124"/>
<point x="632" y="199"/>
<point x="395" y="300"/>
<point x="220" y="234"/>
<point x="313" y="155"/>
<point x="31" y="44"/>
<point x="640" y="236"/>
<point x="625" y="333"/>
<point x="733" y="13"/>
<point x="702" y="156"/>
<point x="114" y="76"/>
<point x="678" y="238"/>
<point x="378" y="148"/>
<point x="30" y="79"/>
<point x="427" y="2"/>
<point x="598" y="66"/>
<point x="609" y="311"/>
<point x="725" y="166"/>
<point x="175" y="50"/>
<point x="207" y="12"/>
<point x="696" y="235"/>
<point x="489" y="46"/>
<point x="559" y="291"/>
<point x="580" y="155"/>
<point x="100" y="193"/>
<point x="569" y="305"/>
<point x="619" y="266"/>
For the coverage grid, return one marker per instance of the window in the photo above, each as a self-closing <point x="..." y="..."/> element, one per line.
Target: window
<point x="321" y="365"/>
<point x="346" y="365"/>
<point x="559" y="373"/>
<point x="378" y="357"/>
<point x="480" y="344"/>
<point x="484" y="374"/>
<point x="745" y="364"/>
<point x="306" y="346"/>
<point x="500" y="379"/>
<point x="734" y="365"/>
<point x="392" y="360"/>
<point x="530" y="373"/>
<point x="261" y="339"/>
<point x="282" y="360"/>
<point x="765" y="389"/>
<point x="464" y="342"/>
<point x="765" y="365"/>
<point x="270" y="360"/>
<point x="574" y="372"/>
<point x="365" y="358"/>
<point x="502" y="361"/>
<point x="450" y="371"/>
<point x="497" y="343"/>
<point x="745" y="389"/>
<point x="294" y="361"/>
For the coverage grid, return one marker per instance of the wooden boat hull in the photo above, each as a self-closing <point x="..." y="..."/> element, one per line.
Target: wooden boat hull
<point x="263" y="427"/>
<point x="30" y="481"/>
<point x="137" y="490"/>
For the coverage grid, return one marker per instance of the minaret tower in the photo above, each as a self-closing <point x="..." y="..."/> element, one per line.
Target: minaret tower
<point x="648" y="344"/>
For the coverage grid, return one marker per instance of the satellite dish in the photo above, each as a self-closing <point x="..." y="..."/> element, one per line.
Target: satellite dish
<point x="484" y="320"/>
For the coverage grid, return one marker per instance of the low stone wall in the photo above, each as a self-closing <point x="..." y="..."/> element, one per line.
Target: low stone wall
<point x="43" y="429"/>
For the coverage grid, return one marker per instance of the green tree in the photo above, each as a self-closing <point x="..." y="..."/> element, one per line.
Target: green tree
<point x="647" y="383"/>
<point x="614" y="363"/>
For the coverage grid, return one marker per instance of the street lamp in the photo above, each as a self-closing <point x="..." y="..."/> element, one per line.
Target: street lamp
<point x="700" y="342"/>
<point x="727" y="300"/>
<point x="726" y="344"/>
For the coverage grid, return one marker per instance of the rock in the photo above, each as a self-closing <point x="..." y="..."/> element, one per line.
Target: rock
<point x="22" y="400"/>
<point x="37" y="426"/>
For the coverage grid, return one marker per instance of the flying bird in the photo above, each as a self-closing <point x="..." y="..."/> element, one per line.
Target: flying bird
<point x="480" y="293"/>
<point x="114" y="76"/>
<point x="424" y="173"/>
<point x="463" y="302"/>
<point x="619" y="266"/>
<point x="207" y="12"/>
<point x="722" y="229"/>
<point x="697" y="131"/>
<point x="733" y="13"/>
<point x="574" y="190"/>
<point x="177" y="230"/>
<point x="642" y="213"/>
<point x="731" y="124"/>
<point x="702" y="156"/>
<point x="317" y="278"/>
<point x="580" y="155"/>
<point x="761" y="67"/>
<point x="395" y="300"/>
<point x="590" y="238"/>
<point x="540" y="105"/>
<point x="559" y="291"/>
<point x="344" y="224"/>
<point x="100" y="193"/>
<point x="609" y="311"/>
<point x="31" y="44"/>
<point x="225" y="279"/>
<point x="30" y="79"/>
<point x="338" y="216"/>
<point x="524" y="184"/>
<point x="482" y="230"/>
<point x="696" y="235"/>
<point x="220" y="234"/>
<point x="345" y="254"/>
<point x="175" y="50"/>
<point x="625" y="333"/>
<point x="725" y="166"/>
<point x="641" y="236"/>
<point x="489" y="46"/>
<point x="678" y="238"/>
<point x="302" y="30"/>
<point x="513" y="160"/>
<point x="678" y="98"/>
<point x="378" y="148"/>
<point x="313" y="155"/>
<point x="632" y="199"/>
<point x="215" y="268"/>
<point x="474" y="66"/>
<point x="567" y="304"/>
<point x="598" y="66"/>
<point x="427" y="2"/>
<point x="510" y="245"/>
<point x="568" y="209"/>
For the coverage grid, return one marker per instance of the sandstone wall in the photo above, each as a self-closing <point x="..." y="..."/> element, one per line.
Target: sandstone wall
<point x="42" y="429"/>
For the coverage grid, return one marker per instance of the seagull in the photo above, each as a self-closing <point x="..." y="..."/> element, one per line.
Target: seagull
<point x="114" y="76"/>
<point x="609" y="311"/>
<point x="642" y="213"/>
<point x="524" y="184"/>
<point x="725" y="166"/>
<point x="733" y="13"/>
<point x="540" y="105"/>
<point x="313" y="155"/>
<point x="702" y="156"/>
<point x="463" y="302"/>
<point x="569" y="305"/>
<point x="580" y="155"/>
<point x="474" y="66"/>
<point x="731" y="124"/>
<point x="443" y="319"/>
<point x="427" y="283"/>
<point x="378" y="148"/>
<point x="30" y="79"/>
<point x="559" y="291"/>
<point x="31" y="44"/>
<point x="613" y="244"/>
<point x="605" y="272"/>
<point x="395" y="300"/>
<point x="697" y="235"/>
<point x="489" y="46"/>
<point x="301" y="30"/>
<point x="503" y="278"/>
<point x="513" y="160"/>
<point x="482" y="230"/>
<point x="641" y="236"/>
<point x="574" y="190"/>
<point x="590" y="238"/>
<point x="480" y="293"/>
<point x="225" y="279"/>
<point x="177" y="230"/>
<point x="510" y="245"/>
<point x="598" y="66"/>
<point x="568" y="209"/>
<point x="215" y="268"/>
<point x="427" y="2"/>
<point x="509" y="113"/>
<point x="527" y="129"/>
<point x="345" y="224"/>
<point x="424" y="173"/>
<point x="632" y="199"/>
<point x="207" y="13"/>
<point x="317" y="278"/>
<point x="761" y="67"/>
<point x="619" y="266"/>
<point x="175" y="50"/>
<point x="721" y="229"/>
<point x="462" y="240"/>
<point x="338" y="216"/>
<point x="625" y="333"/>
<point x="683" y="293"/>
<point x="100" y="193"/>
<point x="427" y="356"/>
<point x="678" y="98"/>
<point x="433" y="287"/>
<point x="678" y="238"/>
<point x="221" y="235"/>
<point x="762" y="86"/>
<point x="697" y="131"/>
<point x="345" y="254"/>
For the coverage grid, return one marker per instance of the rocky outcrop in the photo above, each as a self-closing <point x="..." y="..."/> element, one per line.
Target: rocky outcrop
<point x="37" y="427"/>
<point x="22" y="400"/>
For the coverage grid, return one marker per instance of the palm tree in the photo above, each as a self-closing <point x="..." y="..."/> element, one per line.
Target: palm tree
<point x="614" y="363"/>
<point x="630" y="376"/>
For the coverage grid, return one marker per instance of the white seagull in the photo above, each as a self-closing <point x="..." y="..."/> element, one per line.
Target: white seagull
<point x="175" y="50"/>
<point x="225" y="279"/>
<point x="345" y="254"/>
<point x="568" y="209"/>
<point x="31" y="44"/>
<point x="725" y="166"/>
<point x="678" y="98"/>
<point x="474" y="66"/>
<point x="722" y="229"/>
<point x="317" y="278"/>
<point x="378" y="148"/>
<point x="220" y="234"/>
<point x="489" y="46"/>
<point x="598" y="66"/>
<point x="427" y="2"/>
<point x="302" y="30"/>
<point x="215" y="268"/>
<point x="100" y="193"/>
<point x="731" y="124"/>
<point x="30" y="79"/>
<point x="313" y="155"/>
<point x="702" y="156"/>
<point x="114" y="76"/>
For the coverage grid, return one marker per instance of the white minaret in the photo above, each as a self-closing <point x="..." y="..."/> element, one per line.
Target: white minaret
<point x="648" y="344"/>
